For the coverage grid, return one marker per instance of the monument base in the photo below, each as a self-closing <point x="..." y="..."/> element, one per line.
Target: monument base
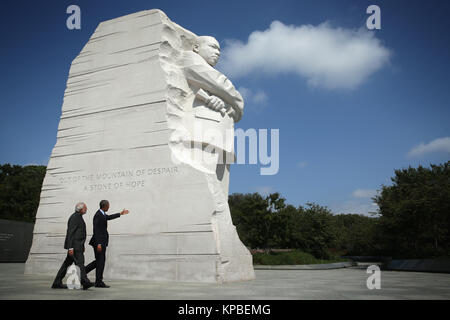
<point x="187" y="240"/>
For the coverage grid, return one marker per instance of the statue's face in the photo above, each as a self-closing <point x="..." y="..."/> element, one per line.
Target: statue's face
<point x="209" y="49"/>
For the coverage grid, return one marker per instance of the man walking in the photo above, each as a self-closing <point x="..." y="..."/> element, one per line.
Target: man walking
<point x="74" y="243"/>
<point x="99" y="241"/>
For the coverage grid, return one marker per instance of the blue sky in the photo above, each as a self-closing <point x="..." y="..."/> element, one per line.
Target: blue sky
<point x="337" y="144"/>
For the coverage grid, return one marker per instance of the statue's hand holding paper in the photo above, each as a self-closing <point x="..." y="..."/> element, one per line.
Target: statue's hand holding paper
<point x="215" y="103"/>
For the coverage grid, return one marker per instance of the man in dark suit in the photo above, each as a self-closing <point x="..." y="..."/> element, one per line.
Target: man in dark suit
<point x="74" y="243"/>
<point x="99" y="241"/>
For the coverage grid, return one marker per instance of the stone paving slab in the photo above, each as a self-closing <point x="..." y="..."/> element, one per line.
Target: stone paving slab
<point x="335" y="284"/>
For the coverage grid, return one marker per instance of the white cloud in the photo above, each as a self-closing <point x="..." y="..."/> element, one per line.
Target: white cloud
<point x="256" y="99"/>
<point x="327" y="57"/>
<point x="364" y="193"/>
<point x="437" y="145"/>
<point x="360" y="203"/>
<point x="302" y="164"/>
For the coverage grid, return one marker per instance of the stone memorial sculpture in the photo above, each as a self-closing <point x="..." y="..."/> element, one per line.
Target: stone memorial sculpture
<point x="147" y="123"/>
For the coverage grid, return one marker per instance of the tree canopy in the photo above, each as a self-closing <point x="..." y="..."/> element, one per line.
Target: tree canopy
<point x="413" y="219"/>
<point x="415" y="212"/>
<point x="20" y="188"/>
<point x="268" y="222"/>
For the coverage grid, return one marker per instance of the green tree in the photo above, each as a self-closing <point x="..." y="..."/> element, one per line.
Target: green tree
<point x="20" y="189"/>
<point x="260" y="222"/>
<point x="270" y="223"/>
<point x="415" y="212"/>
<point x="357" y="234"/>
<point x="318" y="230"/>
<point x="248" y="212"/>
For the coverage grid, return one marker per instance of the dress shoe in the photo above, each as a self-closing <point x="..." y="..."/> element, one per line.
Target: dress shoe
<point x="87" y="285"/>
<point x="60" y="285"/>
<point x="101" y="285"/>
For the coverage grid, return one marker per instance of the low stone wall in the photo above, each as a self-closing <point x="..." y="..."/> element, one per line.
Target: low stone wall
<point x="425" y="265"/>
<point x="15" y="240"/>
<point x="324" y="266"/>
<point x="382" y="259"/>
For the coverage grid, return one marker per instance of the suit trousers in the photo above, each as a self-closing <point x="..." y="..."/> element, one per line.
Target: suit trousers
<point x="98" y="264"/>
<point x="78" y="259"/>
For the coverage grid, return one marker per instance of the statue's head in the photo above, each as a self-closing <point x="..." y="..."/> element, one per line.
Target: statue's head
<point x="208" y="48"/>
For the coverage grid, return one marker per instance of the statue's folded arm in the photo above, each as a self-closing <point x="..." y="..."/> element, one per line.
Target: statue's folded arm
<point x="203" y="76"/>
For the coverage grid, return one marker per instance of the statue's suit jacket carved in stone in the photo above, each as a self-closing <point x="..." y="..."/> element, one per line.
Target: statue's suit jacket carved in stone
<point x="200" y="74"/>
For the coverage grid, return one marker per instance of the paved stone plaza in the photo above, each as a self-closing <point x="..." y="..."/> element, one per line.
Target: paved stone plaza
<point x="348" y="283"/>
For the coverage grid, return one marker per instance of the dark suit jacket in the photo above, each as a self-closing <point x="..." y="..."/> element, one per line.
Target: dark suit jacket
<point x="76" y="232"/>
<point x="101" y="235"/>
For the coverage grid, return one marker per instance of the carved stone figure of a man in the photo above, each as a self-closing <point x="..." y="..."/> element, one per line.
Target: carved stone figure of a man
<point x="216" y="107"/>
<point x="200" y="73"/>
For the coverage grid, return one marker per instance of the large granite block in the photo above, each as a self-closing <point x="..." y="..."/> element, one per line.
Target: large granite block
<point x="128" y="117"/>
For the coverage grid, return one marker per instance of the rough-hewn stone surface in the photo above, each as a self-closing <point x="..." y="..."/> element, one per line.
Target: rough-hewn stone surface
<point x="126" y="118"/>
